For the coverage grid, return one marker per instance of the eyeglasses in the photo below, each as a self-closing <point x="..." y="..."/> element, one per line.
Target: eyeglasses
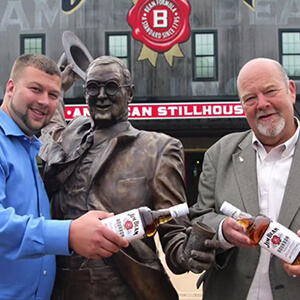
<point x="92" y="88"/>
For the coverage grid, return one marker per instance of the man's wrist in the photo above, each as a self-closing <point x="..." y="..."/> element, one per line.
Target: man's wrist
<point x="224" y="244"/>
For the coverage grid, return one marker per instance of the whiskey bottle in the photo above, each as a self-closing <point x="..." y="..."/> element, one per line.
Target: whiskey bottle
<point x="269" y="234"/>
<point x="143" y="222"/>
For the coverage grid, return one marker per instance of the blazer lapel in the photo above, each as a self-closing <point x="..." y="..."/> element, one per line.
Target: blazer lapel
<point x="101" y="158"/>
<point x="291" y="198"/>
<point x="244" y="163"/>
<point x="108" y="149"/>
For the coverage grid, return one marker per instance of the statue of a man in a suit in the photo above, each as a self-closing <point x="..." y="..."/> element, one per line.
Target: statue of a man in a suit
<point x="103" y="162"/>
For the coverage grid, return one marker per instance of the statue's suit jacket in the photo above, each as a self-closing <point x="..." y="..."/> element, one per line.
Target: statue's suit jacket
<point x="134" y="168"/>
<point x="229" y="174"/>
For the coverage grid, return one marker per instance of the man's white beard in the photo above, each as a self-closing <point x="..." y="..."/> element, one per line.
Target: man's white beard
<point x="272" y="128"/>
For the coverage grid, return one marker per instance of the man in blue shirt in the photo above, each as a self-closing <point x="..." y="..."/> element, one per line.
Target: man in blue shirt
<point x="28" y="238"/>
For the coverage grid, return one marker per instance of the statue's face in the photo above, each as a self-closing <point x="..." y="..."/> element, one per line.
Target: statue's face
<point x="106" y="95"/>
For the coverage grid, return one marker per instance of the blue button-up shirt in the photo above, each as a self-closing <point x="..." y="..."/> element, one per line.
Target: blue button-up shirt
<point x="28" y="239"/>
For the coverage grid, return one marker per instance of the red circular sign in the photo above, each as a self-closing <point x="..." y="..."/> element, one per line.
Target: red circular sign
<point x="160" y="24"/>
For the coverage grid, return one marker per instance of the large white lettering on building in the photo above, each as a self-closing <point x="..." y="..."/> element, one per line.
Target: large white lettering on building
<point x="160" y="18"/>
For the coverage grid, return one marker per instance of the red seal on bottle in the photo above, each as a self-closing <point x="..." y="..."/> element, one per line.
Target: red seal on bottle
<point x="160" y="24"/>
<point x="128" y="225"/>
<point x="276" y="240"/>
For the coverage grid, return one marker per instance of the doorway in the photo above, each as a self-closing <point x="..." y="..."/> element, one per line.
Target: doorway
<point x="193" y="168"/>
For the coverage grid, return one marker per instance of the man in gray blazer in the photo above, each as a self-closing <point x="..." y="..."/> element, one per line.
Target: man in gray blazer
<point x="258" y="172"/>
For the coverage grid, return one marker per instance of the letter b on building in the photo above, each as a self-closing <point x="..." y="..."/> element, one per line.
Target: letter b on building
<point x="160" y="18"/>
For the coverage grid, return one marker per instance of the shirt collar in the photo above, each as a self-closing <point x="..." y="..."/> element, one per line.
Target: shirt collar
<point x="101" y="135"/>
<point x="287" y="147"/>
<point x="10" y="128"/>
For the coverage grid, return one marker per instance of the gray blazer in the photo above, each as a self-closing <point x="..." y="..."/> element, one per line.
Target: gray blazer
<point x="229" y="173"/>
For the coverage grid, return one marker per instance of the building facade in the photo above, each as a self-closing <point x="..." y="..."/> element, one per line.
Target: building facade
<point x="184" y="56"/>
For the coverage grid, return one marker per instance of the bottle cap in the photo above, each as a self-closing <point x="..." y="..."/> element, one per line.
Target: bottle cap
<point x="179" y="210"/>
<point x="230" y="210"/>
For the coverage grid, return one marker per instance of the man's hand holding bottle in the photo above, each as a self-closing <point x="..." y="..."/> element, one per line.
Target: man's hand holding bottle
<point x="90" y="238"/>
<point x="234" y="233"/>
<point x="262" y="231"/>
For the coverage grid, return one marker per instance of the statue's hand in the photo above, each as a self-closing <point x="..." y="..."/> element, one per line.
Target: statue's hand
<point x="197" y="260"/>
<point x="68" y="77"/>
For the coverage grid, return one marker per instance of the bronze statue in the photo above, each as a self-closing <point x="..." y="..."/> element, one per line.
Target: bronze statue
<point x="104" y="163"/>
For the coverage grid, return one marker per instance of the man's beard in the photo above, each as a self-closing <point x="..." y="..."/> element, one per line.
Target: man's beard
<point x="24" y="118"/>
<point x="271" y="128"/>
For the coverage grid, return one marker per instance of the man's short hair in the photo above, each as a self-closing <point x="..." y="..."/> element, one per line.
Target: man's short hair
<point x="38" y="61"/>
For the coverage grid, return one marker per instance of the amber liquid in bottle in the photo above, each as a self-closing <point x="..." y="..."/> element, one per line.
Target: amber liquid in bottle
<point x="143" y="222"/>
<point x="270" y="235"/>
<point x="152" y="219"/>
<point x="255" y="227"/>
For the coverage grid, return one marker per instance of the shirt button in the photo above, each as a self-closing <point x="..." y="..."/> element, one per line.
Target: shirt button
<point x="44" y="272"/>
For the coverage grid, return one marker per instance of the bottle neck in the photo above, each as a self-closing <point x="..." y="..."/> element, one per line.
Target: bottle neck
<point x="230" y="210"/>
<point x="162" y="216"/>
<point x="244" y="215"/>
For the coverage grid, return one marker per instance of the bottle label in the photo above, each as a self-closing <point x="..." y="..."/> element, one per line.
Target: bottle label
<point x="179" y="210"/>
<point x="128" y="225"/>
<point x="281" y="242"/>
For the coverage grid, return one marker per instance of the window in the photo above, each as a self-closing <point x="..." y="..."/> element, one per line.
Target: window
<point x="289" y="45"/>
<point x="117" y="44"/>
<point x="32" y="43"/>
<point x="205" y="55"/>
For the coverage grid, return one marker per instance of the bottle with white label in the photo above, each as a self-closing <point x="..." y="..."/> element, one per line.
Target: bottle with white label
<point x="143" y="222"/>
<point x="269" y="234"/>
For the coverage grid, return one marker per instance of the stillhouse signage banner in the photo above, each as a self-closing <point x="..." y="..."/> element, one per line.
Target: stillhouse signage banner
<point x="160" y="111"/>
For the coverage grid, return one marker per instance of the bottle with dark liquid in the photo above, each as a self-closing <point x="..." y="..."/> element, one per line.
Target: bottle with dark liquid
<point x="270" y="235"/>
<point x="143" y="222"/>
